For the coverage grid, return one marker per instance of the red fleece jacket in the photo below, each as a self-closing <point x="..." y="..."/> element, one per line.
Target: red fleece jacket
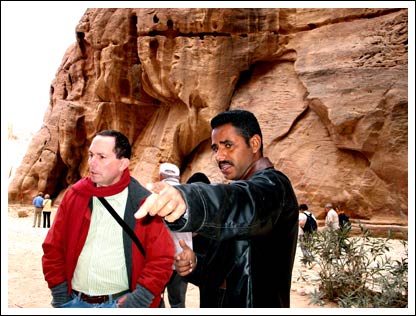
<point x="66" y="238"/>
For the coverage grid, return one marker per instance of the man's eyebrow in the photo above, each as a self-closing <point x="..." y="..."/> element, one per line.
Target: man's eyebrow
<point x="97" y="153"/>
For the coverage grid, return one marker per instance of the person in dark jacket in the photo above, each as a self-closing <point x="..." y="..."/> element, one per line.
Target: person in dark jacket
<point x="200" y="244"/>
<point x="252" y="222"/>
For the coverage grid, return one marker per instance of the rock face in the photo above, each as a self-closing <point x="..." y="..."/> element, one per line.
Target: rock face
<point x="329" y="87"/>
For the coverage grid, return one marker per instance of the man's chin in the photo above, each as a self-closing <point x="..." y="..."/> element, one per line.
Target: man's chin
<point x="94" y="179"/>
<point x="228" y="176"/>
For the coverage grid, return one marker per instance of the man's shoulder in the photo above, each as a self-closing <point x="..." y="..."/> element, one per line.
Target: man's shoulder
<point x="302" y="215"/>
<point x="274" y="175"/>
<point x="135" y="182"/>
<point x="271" y="171"/>
<point x="137" y="187"/>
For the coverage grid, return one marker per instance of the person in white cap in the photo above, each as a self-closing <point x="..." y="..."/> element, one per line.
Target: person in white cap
<point x="177" y="285"/>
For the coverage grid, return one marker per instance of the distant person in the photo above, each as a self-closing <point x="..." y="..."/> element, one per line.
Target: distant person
<point x="331" y="219"/>
<point x="343" y="219"/>
<point x="307" y="226"/>
<point x="332" y="226"/>
<point x="88" y="258"/>
<point x="47" y="209"/>
<point x="38" y="203"/>
<point x="344" y="226"/>
<point x="253" y="221"/>
<point x="177" y="285"/>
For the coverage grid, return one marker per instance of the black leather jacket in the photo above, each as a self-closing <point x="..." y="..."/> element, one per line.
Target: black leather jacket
<point x="253" y="227"/>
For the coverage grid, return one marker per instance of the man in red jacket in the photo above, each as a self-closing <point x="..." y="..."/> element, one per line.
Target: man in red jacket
<point x="89" y="260"/>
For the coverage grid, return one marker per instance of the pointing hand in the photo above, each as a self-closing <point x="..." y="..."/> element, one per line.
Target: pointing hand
<point x="165" y="201"/>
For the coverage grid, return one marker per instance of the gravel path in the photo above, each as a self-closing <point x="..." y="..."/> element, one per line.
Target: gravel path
<point x="28" y="289"/>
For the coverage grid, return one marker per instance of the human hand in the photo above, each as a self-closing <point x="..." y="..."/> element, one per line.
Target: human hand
<point x="165" y="201"/>
<point x="120" y="301"/>
<point x="185" y="262"/>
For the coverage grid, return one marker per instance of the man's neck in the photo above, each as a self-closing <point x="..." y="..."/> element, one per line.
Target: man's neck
<point x="259" y="164"/>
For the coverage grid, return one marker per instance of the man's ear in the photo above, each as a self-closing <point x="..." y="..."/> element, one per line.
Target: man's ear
<point x="255" y="143"/>
<point x="124" y="163"/>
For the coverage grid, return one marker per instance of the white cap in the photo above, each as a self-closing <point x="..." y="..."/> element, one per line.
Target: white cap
<point x="169" y="169"/>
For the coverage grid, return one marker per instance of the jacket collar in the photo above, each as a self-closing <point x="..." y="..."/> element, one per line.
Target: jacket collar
<point x="261" y="164"/>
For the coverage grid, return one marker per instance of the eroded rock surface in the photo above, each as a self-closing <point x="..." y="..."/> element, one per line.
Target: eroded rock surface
<point x="329" y="87"/>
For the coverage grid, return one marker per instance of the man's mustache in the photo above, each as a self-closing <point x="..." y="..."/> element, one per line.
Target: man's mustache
<point x="225" y="162"/>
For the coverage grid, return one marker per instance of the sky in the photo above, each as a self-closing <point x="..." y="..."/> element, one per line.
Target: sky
<point x="34" y="38"/>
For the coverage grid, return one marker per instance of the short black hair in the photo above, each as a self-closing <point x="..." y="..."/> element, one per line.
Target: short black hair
<point x="198" y="177"/>
<point x="244" y="121"/>
<point x="122" y="146"/>
<point x="303" y="207"/>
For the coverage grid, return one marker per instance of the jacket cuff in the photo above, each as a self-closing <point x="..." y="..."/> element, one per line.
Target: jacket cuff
<point x="60" y="294"/>
<point x="140" y="297"/>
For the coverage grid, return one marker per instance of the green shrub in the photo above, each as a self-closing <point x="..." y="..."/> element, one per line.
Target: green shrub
<point x="356" y="272"/>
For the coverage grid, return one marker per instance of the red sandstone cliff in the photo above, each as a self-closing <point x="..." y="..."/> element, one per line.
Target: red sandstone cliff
<point x="329" y="87"/>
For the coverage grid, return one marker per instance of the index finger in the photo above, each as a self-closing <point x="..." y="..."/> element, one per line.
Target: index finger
<point x="144" y="209"/>
<point x="156" y="187"/>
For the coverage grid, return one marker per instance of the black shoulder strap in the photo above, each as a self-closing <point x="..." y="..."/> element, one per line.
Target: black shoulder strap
<point x="123" y="224"/>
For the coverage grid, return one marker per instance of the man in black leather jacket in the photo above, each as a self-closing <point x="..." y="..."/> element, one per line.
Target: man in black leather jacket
<point x="252" y="222"/>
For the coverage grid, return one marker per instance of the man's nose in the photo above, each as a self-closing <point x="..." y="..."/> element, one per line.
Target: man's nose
<point x="220" y="155"/>
<point x="91" y="160"/>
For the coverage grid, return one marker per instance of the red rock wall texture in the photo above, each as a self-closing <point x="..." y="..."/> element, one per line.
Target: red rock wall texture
<point x="329" y="87"/>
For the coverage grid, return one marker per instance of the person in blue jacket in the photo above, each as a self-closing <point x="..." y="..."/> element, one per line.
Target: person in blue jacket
<point x="38" y="203"/>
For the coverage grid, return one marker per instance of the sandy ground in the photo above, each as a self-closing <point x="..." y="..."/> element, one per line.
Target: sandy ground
<point x="28" y="289"/>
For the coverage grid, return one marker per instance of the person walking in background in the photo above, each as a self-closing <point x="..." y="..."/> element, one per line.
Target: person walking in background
<point x="177" y="285"/>
<point x="343" y="219"/>
<point x="307" y="226"/>
<point x="88" y="259"/>
<point x="344" y="227"/>
<point x="38" y="203"/>
<point x="332" y="227"/>
<point x="331" y="219"/>
<point x="248" y="220"/>
<point x="47" y="209"/>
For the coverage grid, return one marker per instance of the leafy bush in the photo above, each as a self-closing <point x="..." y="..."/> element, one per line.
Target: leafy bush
<point x="356" y="272"/>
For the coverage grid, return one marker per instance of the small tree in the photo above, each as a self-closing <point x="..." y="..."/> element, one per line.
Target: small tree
<point x="356" y="272"/>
